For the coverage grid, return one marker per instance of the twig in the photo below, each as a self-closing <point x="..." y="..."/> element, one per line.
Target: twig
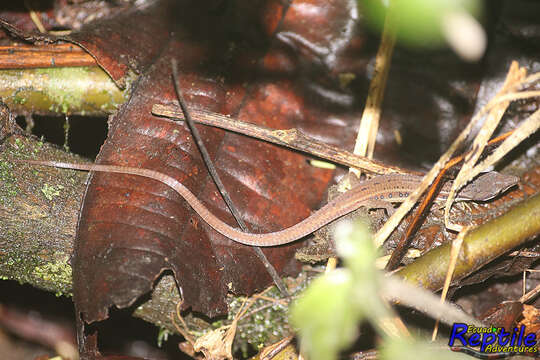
<point x="391" y="224"/>
<point x="454" y="253"/>
<point x="513" y="79"/>
<point x="272" y="351"/>
<point x="402" y="247"/>
<point x="527" y="127"/>
<point x="46" y="56"/>
<point x="397" y="290"/>
<point x="92" y="92"/>
<point x="530" y="295"/>
<point x="35" y="18"/>
<point x="369" y="124"/>
<point x="217" y="180"/>
<point x="291" y="138"/>
<point x="184" y="330"/>
<point x="482" y="244"/>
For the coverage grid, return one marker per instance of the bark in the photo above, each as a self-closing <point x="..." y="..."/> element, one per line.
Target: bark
<point x="38" y="218"/>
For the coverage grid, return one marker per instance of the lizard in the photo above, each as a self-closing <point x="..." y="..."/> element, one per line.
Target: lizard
<point x="377" y="192"/>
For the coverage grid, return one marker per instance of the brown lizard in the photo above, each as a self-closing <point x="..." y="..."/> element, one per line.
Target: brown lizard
<point x="378" y="192"/>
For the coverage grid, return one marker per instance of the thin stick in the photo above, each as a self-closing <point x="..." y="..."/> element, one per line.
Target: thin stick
<point x="369" y="124"/>
<point x="45" y="56"/>
<point x="402" y="247"/>
<point x="525" y="129"/>
<point x="291" y="138"/>
<point x="35" y="18"/>
<point x="513" y="79"/>
<point x="454" y="253"/>
<point x="217" y="180"/>
<point x="391" y="224"/>
<point x="530" y="295"/>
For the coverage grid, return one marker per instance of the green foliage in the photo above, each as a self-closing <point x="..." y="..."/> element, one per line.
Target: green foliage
<point x="325" y="316"/>
<point x="51" y="191"/>
<point x="163" y="336"/>
<point x="418" y="22"/>
<point x="329" y="313"/>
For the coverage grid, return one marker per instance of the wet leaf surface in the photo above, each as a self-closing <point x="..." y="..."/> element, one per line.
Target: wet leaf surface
<point x="132" y="229"/>
<point x="121" y="253"/>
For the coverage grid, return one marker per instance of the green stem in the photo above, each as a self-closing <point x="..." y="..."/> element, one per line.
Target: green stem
<point x="64" y="90"/>
<point x="480" y="246"/>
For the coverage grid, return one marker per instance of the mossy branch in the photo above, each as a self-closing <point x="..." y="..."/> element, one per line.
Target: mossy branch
<point x="39" y="208"/>
<point x="38" y="218"/>
<point x="482" y="245"/>
<point x="63" y="90"/>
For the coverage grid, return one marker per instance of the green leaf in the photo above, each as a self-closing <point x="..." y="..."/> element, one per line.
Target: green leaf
<point x="331" y="309"/>
<point x="354" y="244"/>
<point x="325" y="316"/>
<point x="418" y="22"/>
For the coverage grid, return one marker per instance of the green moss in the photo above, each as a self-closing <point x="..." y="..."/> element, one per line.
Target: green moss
<point x="163" y="336"/>
<point x="345" y="79"/>
<point x="32" y="256"/>
<point x="268" y="322"/>
<point x="264" y="326"/>
<point x="38" y="147"/>
<point x="29" y="267"/>
<point x="265" y="321"/>
<point x="66" y="90"/>
<point x="17" y="99"/>
<point x="51" y="191"/>
<point x="9" y="188"/>
<point x="19" y="144"/>
<point x="57" y="87"/>
<point x="57" y="273"/>
<point x="17" y="267"/>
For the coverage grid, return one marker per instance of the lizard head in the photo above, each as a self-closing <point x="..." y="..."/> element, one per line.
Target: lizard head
<point x="487" y="185"/>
